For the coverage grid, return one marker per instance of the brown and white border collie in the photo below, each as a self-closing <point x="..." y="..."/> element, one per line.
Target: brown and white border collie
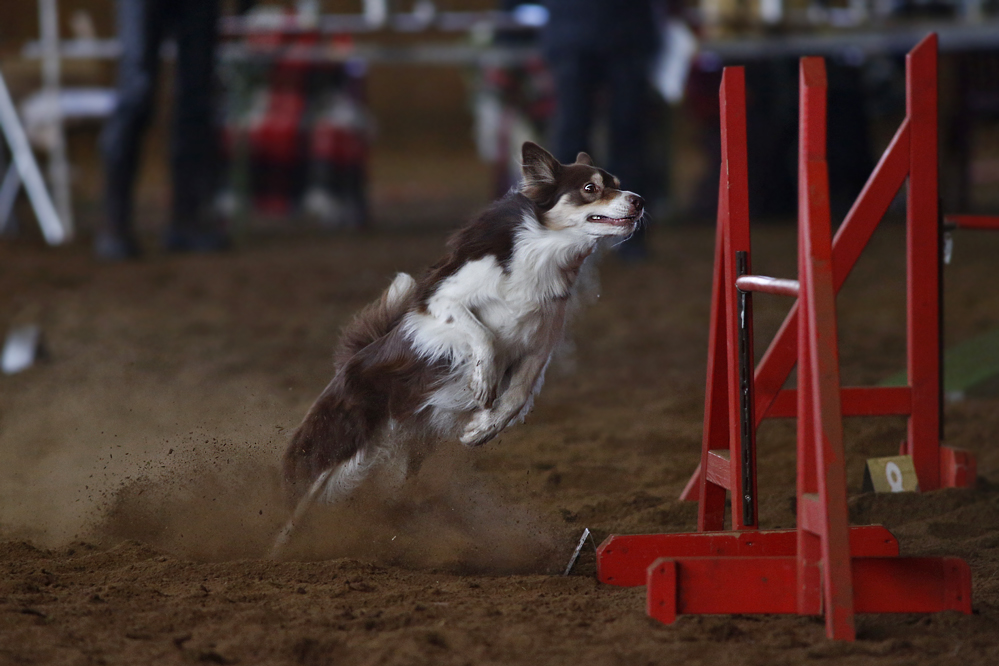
<point x="461" y="352"/>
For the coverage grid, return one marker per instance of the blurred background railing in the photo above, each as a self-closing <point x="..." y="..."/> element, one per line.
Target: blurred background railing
<point x="340" y="113"/>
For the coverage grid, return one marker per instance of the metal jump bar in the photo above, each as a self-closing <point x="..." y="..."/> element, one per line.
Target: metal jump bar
<point x="768" y="285"/>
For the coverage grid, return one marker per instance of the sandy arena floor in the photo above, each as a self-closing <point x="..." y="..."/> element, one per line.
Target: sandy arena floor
<point x="138" y="490"/>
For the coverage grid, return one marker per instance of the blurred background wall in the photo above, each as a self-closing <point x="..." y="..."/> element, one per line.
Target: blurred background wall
<point x="424" y="168"/>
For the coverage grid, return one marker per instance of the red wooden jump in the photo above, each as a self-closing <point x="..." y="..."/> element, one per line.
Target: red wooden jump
<point x="912" y="153"/>
<point x="824" y="565"/>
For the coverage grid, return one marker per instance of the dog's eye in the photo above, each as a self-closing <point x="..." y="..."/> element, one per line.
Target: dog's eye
<point x="590" y="187"/>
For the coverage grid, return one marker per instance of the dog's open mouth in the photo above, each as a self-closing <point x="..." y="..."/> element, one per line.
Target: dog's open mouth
<point x="616" y="221"/>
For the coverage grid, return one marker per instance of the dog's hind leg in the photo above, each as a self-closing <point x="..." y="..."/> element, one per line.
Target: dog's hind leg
<point x="402" y="455"/>
<point x="302" y="508"/>
<point x="332" y="485"/>
<point x="348" y="475"/>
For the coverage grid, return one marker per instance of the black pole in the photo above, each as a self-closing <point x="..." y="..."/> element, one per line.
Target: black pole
<point x="746" y="421"/>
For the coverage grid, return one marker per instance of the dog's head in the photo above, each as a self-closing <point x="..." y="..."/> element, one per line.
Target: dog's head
<point x="578" y="196"/>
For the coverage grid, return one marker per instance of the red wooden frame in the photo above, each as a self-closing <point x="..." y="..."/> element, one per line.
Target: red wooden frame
<point x="911" y="154"/>
<point x="824" y="565"/>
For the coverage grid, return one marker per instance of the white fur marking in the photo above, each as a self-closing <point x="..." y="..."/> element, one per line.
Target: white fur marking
<point x="402" y="286"/>
<point x="347" y="476"/>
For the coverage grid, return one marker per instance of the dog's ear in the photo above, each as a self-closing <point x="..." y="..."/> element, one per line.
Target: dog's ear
<point x="540" y="167"/>
<point x="584" y="158"/>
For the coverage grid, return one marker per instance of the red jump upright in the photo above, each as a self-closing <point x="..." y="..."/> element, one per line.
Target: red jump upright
<point x="729" y="451"/>
<point x="824" y="566"/>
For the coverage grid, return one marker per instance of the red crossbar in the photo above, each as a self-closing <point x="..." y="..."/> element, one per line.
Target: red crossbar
<point x="986" y="222"/>
<point x="712" y="585"/>
<point x="624" y="559"/>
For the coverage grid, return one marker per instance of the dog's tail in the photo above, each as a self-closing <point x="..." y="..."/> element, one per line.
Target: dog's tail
<point x="330" y="434"/>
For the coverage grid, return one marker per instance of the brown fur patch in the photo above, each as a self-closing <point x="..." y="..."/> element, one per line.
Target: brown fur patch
<point x="375" y="369"/>
<point x="491" y="233"/>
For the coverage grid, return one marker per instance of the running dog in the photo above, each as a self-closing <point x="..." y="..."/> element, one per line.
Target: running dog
<point x="461" y="352"/>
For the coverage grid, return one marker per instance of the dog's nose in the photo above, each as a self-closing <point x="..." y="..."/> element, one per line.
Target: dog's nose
<point x="637" y="202"/>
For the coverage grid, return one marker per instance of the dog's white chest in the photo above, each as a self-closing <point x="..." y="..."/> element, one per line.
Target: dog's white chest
<point x="513" y="308"/>
<point x="515" y="305"/>
<point x="521" y="324"/>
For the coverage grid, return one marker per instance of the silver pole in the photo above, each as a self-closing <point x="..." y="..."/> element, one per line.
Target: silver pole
<point x="8" y="194"/>
<point x="48" y="16"/>
<point x="24" y="161"/>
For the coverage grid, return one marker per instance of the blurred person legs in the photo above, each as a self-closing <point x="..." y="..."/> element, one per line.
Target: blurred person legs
<point x="577" y="82"/>
<point x="580" y="79"/>
<point x="194" y="149"/>
<point x="140" y="30"/>
<point x="142" y="25"/>
<point x="628" y="89"/>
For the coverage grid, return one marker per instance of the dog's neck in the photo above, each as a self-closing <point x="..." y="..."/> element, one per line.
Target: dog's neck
<point x="547" y="263"/>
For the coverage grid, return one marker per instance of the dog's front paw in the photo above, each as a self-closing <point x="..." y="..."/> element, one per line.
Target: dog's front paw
<point x="482" y="428"/>
<point x="483" y="384"/>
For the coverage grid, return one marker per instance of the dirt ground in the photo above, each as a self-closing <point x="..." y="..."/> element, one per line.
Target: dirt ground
<point x="138" y="483"/>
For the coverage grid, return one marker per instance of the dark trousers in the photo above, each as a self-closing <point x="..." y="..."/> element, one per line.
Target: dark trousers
<point x="142" y="26"/>
<point x="580" y="80"/>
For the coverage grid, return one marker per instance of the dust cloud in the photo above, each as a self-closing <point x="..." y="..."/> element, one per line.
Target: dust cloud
<point x="205" y="497"/>
<point x="223" y="502"/>
<point x="448" y="517"/>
